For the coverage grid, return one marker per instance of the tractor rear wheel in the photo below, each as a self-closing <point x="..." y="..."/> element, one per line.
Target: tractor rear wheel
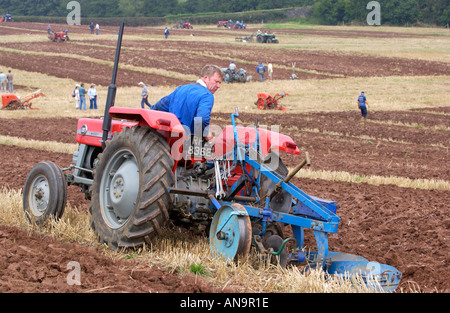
<point x="44" y="193"/>
<point x="261" y="103"/>
<point x="130" y="197"/>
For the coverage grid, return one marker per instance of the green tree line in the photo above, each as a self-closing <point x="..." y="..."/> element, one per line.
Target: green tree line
<point x="331" y="12"/>
<point x="393" y="12"/>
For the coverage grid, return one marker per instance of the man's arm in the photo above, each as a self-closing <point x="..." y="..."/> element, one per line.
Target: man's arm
<point x="162" y="104"/>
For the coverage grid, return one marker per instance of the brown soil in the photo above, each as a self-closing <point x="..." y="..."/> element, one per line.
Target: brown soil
<point x="403" y="227"/>
<point x="37" y="263"/>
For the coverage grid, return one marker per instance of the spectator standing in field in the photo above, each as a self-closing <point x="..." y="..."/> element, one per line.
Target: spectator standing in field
<point x="10" y="77"/>
<point x="2" y="82"/>
<point x="91" y="26"/>
<point x="76" y="94"/>
<point x="144" y="95"/>
<point x="92" y="94"/>
<point x="270" y="71"/>
<point x="363" y="105"/>
<point x="49" y="29"/>
<point x="82" y="93"/>
<point x="261" y="70"/>
<point x="166" y="32"/>
<point x="97" y="28"/>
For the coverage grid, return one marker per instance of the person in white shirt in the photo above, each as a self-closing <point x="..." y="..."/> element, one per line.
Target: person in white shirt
<point x="270" y="71"/>
<point x="77" y="96"/>
<point x="2" y="82"/>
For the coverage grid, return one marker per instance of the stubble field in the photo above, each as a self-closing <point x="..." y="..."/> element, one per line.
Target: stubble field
<point x="389" y="174"/>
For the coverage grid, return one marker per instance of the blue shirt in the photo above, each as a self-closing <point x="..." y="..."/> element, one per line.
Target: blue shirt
<point x="260" y="69"/>
<point x="190" y="103"/>
<point x="82" y="92"/>
<point x="362" y="100"/>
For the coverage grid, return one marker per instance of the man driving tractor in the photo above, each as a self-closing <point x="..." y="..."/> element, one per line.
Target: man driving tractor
<point x="193" y="103"/>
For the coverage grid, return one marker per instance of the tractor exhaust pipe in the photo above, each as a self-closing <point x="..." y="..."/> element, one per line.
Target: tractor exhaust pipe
<point x="111" y="97"/>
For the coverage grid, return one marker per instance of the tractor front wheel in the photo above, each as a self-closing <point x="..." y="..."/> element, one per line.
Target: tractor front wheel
<point x="130" y="197"/>
<point x="44" y="193"/>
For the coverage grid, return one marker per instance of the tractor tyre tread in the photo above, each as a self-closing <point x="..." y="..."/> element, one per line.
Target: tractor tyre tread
<point x="57" y="192"/>
<point x="153" y="202"/>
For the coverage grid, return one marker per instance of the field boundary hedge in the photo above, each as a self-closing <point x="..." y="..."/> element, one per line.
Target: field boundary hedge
<point x="267" y="16"/>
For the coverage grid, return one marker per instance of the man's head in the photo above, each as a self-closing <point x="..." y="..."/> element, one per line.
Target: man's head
<point x="212" y="75"/>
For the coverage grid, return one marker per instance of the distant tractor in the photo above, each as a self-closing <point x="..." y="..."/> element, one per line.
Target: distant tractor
<point x="183" y="25"/>
<point x="239" y="75"/>
<point x="59" y="36"/>
<point x="239" y="25"/>
<point x="186" y="25"/>
<point x="222" y="24"/>
<point x="267" y="102"/>
<point x="266" y="38"/>
<point x="7" y="18"/>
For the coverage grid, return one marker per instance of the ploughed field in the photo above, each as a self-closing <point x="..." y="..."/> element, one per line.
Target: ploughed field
<point x="405" y="227"/>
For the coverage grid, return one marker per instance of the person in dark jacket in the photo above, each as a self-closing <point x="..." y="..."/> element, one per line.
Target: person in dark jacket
<point x="261" y="70"/>
<point x="363" y="105"/>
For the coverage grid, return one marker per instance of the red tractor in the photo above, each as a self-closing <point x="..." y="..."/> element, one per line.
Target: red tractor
<point x="182" y="24"/>
<point x="186" y="25"/>
<point x="140" y="169"/>
<point x="222" y="24"/>
<point x="267" y="102"/>
<point x="59" y="36"/>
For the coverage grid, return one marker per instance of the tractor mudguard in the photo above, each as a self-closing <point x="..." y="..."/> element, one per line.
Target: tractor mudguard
<point x="269" y="140"/>
<point x="164" y="122"/>
<point x="89" y="131"/>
